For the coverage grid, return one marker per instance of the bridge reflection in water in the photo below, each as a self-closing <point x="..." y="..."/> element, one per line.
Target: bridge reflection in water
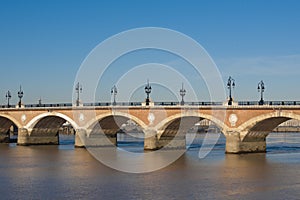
<point x="244" y="125"/>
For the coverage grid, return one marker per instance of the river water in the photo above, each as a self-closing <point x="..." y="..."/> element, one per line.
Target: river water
<point x="62" y="172"/>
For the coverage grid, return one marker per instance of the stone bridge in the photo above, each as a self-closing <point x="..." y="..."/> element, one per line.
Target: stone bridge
<point x="245" y="127"/>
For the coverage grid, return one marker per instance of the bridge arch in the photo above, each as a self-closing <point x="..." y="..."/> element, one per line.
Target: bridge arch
<point x="109" y="125"/>
<point x="6" y="122"/>
<point x="171" y="132"/>
<point x="32" y="123"/>
<point x="262" y="125"/>
<point x="98" y="118"/>
<point x="162" y="126"/>
<point x="12" y="119"/>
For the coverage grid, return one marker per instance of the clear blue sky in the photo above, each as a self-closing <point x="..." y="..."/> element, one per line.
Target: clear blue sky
<point x="43" y="43"/>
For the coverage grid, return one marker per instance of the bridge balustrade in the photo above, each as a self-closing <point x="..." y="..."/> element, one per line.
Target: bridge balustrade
<point x="171" y="103"/>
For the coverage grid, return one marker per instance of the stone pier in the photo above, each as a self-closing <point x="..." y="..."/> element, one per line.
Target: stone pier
<point x="94" y="138"/>
<point x="80" y="136"/>
<point x="152" y="142"/>
<point x="23" y="136"/>
<point x="250" y="144"/>
<point x="46" y="136"/>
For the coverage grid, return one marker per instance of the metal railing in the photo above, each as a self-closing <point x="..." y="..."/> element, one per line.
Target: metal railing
<point x="48" y="105"/>
<point x="171" y="103"/>
<point x="271" y="103"/>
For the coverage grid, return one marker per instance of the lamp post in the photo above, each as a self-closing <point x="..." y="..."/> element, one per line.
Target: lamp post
<point x="40" y="102"/>
<point x="20" y="95"/>
<point x="8" y="96"/>
<point x="78" y="91"/>
<point x="182" y="92"/>
<point x="114" y="92"/>
<point x="261" y="89"/>
<point x="230" y="86"/>
<point x="148" y="91"/>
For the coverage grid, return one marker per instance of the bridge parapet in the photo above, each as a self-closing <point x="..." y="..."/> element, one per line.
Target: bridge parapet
<point x="170" y="103"/>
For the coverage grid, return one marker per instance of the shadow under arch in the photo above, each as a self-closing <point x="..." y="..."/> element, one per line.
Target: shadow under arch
<point x="12" y="119"/>
<point x="172" y="131"/>
<point x="45" y="128"/>
<point x="8" y="128"/>
<point x="166" y="122"/>
<point x="103" y="129"/>
<point x="98" y="118"/>
<point x="262" y="125"/>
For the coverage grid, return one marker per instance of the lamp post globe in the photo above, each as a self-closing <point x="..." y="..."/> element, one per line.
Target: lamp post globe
<point x="78" y="89"/>
<point x="8" y="96"/>
<point x="148" y="91"/>
<point x="20" y="95"/>
<point x="261" y="89"/>
<point x="182" y="92"/>
<point x="230" y="86"/>
<point x="114" y="92"/>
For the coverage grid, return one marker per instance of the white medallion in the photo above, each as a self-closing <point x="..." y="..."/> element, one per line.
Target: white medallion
<point x="23" y="118"/>
<point x="81" y="117"/>
<point x="233" y="119"/>
<point x="151" y="118"/>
